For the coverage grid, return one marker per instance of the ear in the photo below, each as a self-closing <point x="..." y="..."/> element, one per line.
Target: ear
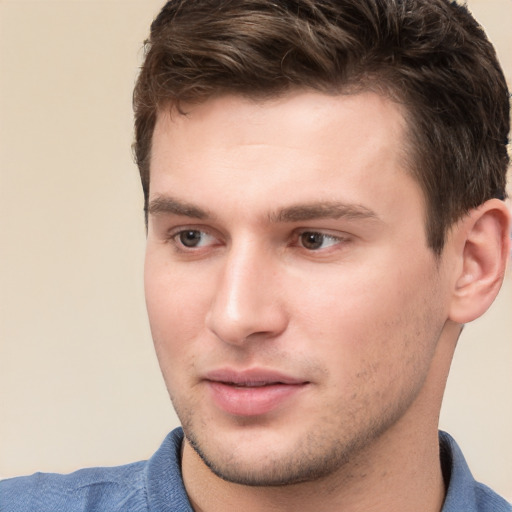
<point x="482" y="240"/>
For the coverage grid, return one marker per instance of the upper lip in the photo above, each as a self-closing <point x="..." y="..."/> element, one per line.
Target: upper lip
<point x="252" y="377"/>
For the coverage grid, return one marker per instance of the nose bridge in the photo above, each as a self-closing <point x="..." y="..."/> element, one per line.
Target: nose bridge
<point x="246" y="301"/>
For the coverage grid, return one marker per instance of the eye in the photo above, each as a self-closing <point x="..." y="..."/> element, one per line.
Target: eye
<point x="314" y="240"/>
<point x="192" y="238"/>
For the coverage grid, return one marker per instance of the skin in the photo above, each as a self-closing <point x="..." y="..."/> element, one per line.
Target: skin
<point x="366" y="318"/>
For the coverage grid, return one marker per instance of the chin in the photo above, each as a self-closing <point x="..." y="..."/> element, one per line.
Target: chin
<point x="271" y="458"/>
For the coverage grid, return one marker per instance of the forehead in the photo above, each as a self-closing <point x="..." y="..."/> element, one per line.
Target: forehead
<point x="297" y="147"/>
<point x="300" y="107"/>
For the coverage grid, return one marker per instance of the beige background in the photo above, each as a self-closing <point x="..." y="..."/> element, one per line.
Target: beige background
<point x="79" y="382"/>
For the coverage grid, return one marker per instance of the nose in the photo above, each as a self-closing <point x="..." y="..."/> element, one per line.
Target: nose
<point x="247" y="302"/>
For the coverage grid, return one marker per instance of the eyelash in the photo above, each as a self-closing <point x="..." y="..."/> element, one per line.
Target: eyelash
<point x="324" y="236"/>
<point x="179" y="245"/>
<point x="175" y="238"/>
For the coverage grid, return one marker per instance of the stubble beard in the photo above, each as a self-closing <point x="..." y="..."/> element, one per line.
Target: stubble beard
<point x="304" y="465"/>
<point x="339" y="444"/>
<point x="319" y="454"/>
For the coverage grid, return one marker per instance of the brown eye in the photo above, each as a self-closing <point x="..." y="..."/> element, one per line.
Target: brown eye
<point x="314" y="240"/>
<point x="311" y="240"/>
<point x="190" y="238"/>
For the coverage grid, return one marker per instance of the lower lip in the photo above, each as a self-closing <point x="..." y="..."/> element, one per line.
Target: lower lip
<point x="252" y="401"/>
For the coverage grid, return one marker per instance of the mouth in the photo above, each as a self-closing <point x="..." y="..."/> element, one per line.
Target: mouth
<point x="252" y="392"/>
<point x="251" y="384"/>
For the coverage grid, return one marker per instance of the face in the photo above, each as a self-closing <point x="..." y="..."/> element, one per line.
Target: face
<point x="293" y="302"/>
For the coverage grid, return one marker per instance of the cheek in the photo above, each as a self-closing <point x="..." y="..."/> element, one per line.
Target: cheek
<point x="368" y="329"/>
<point x="176" y="306"/>
<point x="345" y="305"/>
<point x="174" y="326"/>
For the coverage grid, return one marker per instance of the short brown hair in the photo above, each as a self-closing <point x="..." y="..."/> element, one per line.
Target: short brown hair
<point x="429" y="55"/>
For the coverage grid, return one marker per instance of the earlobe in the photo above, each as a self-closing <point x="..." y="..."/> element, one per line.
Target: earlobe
<point x="484" y="246"/>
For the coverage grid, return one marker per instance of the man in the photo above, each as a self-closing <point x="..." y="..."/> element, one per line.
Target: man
<point x="324" y="186"/>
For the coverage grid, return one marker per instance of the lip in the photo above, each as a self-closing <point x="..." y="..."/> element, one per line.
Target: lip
<point x="252" y="392"/>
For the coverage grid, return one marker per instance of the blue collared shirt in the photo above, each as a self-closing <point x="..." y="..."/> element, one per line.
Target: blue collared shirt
<point x="156" y="485"/>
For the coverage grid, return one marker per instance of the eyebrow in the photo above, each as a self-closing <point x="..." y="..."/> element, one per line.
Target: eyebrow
<point x="169" y="205"/>
<point x="294" y="213"/>
<point x="323" y="210"/>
